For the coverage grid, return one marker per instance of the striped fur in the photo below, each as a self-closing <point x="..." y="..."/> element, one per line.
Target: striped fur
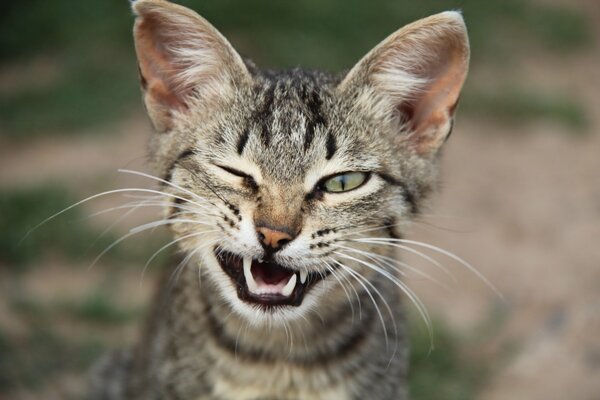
<point x="242" y="146"/>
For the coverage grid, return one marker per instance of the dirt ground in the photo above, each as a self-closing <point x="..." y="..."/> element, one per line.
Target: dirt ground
<point x="520" y="203"/>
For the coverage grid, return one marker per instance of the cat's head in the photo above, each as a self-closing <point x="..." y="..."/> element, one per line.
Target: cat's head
<point x="284" y="183"/>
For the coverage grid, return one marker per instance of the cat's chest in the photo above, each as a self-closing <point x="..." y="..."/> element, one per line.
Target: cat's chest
<point x="278" y="383"/>
<point x="241" y="381"/>
<point x="233" y="377"/>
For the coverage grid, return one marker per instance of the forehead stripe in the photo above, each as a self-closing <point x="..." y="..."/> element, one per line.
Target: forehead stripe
<point x="242" y="142"/>
<point x="331" y="146"/>
<point x="265" y="113"/>
<point x="314" y="114"/>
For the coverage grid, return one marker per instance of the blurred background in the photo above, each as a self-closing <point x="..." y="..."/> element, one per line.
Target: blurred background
<point x="519" y="199"/>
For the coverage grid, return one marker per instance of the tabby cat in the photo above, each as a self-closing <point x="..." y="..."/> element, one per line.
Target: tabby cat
<point x="287" y="193"/>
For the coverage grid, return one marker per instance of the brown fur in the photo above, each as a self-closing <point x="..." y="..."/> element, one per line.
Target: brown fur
<point x="242" y="149"/>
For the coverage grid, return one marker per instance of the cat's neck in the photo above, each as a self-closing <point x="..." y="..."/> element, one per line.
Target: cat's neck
<point x="307" y="339"/>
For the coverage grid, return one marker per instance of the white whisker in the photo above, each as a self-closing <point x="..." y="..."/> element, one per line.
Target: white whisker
<point x="362" y="281"/>
<point x="389" y="261"/>
<point x="401" y="285"/>
<point x="333" y="273"/>
<point x="447" y="254"/>
<point x="129" y="171"/>
<point x="106" y="193"/>
<point x="157" y="252"/>
<point x="410" y="250"/>
<point x="138" y="229"/>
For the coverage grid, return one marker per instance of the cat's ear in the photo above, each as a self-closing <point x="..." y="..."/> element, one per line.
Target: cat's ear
<point x="183" y="61"/>
<point x="414" y="78"/>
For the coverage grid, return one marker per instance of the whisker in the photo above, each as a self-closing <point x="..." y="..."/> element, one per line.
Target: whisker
<point x="174" y="278"/>
<point x="361" y="281"/>
<point x="389" y="261"/>
<point x="450" y="255"/>
<point x="347" y="279"/>
<point x="132" y="172"/>
<point x="114" y="223"/>
<point x="136" y="205"/>
<point x="410" y="250"/>
<point x="156" y="253"/>
<point x="332" y="271"/>
<point x="207" y="184"/>
<point x="369" y="228"/>
<point x="402" y="286"/>
<point x="138" y="229"/>
<point x="162" y="222"/>
<point x="106" y="193"/>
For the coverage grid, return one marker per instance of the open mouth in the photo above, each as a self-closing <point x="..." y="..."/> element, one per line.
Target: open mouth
<point x="266" y="282"/>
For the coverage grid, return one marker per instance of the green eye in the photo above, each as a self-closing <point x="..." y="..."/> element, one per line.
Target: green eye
<point x="345" y="182"/>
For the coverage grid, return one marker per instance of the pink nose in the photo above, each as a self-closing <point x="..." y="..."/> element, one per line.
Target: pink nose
<point x="273" y="238"/>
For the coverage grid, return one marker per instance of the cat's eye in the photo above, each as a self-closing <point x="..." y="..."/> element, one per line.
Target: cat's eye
<point x="344" y="182"/>
<point x="248" y="180"/>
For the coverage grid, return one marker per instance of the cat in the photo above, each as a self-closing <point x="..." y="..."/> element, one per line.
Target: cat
<point x="287" y="193"/>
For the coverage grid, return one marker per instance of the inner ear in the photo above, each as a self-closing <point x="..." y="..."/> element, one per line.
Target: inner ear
<point x="414" y="77"/>
<point x="157" y="65"/>
<point x="184" y="61"/>
<point x="439" y="96"/>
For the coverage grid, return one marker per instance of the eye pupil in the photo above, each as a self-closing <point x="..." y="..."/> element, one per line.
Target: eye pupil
<point x="344" y="182"/>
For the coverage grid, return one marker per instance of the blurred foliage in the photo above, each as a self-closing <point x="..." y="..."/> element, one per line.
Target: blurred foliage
<point x="443" y="372"/>
<point x="23" y="209"/>
<point x="92" y="46"/>
<point x="516" y="106"/>
<point x="98" y="307"/>
<point x="82" y="97"/>
<point x="68" y="235"/>
<point x="40" y="355"/>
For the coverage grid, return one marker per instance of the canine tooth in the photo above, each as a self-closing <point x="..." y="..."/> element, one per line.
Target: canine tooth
<point x="252" y="286"/>
<point x="289" y="287"/>
<point x="303" y="275"/>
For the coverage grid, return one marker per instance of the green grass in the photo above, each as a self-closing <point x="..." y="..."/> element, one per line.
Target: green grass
<point x="22" y="209"/>
<point x="69" y="235"/>
<point x="36" y="358"/>
<point x="92" y="44"/>
<point x="515" y="106"/>
<point x="444" y="373"/>
<point x="98" y="307"/>
<point x="83" y="97"/>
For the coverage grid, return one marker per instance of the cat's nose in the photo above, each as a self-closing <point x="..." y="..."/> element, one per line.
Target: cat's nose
<point x="273" y="239"/>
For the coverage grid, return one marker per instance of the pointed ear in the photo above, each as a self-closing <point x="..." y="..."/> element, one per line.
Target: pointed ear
<point x="183" y="60"/>
<point x="414" y="78"/>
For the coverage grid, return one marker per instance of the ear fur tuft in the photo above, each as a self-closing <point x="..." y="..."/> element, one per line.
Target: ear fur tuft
<point x="415" y="76"/>
<point x="183" y="60"/>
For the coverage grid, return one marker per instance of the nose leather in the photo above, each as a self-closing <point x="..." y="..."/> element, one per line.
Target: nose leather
<point x="273" y="238"/>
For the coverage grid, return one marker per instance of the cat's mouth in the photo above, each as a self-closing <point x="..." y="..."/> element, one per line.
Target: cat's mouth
<point x="266" y="282"/>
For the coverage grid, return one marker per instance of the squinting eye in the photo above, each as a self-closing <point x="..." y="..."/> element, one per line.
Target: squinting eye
<point x="248" y="180"/>
<point x="345" y="182"/>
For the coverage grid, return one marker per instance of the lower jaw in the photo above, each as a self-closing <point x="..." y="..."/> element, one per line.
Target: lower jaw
<point x="290" y="335"/>
<point x="271" y="303"/>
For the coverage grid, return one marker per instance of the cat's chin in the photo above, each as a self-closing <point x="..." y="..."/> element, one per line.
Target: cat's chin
<point x="266" y="283"/>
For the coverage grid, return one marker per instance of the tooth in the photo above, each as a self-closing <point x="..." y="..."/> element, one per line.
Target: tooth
<point x="252" y="286"/>
<point x="289" y="287"/>
<point x="303" y="275"/>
